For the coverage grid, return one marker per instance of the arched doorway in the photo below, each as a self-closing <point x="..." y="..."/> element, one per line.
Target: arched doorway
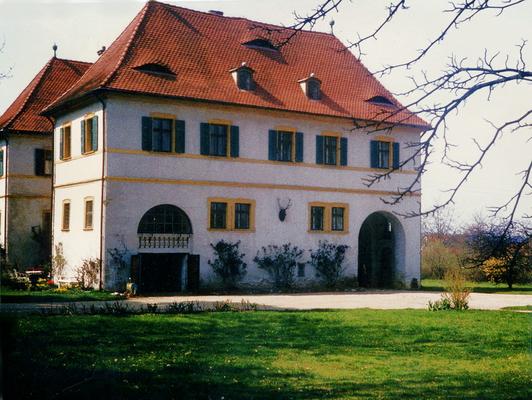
<point x="164" y="237"/>
<point x="379" y="240"/>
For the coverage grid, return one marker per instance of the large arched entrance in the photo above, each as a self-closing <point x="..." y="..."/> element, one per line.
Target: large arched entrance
<point x="164" y="239"/>
<point x="379" y="251"/>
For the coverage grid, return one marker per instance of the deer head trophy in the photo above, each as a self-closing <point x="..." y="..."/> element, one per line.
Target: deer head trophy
<point x="282" y="210"/>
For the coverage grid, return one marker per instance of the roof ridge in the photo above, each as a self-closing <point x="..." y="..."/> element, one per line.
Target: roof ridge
<point x="40" y="79"/>
<point x="71" y="60"/>
<point x="127" y="47"/>
<point x="242" y="19"/>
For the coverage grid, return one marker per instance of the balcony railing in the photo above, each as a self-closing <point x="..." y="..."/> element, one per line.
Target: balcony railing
<point x="164" y="241"/>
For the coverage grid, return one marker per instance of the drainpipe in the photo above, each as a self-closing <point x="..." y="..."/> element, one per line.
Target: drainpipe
<point x="6" y="163"/>
<point x="102" y="198"/>
<point x="52" y="200"/>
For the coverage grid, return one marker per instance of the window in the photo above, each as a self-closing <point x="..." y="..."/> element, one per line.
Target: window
<point x="328" y="217"/>
<point x="89" y="211"/>
<point x="231" y="214"/>
<point x="311" y="86"/>
<point x="242" y="212"/>
<point x="66" y="216"/>
<point x="1" y="162"/>
<point x="219" y="140"/>
<point x="244" y="79"/>
<point x="313" y="89"/>
<point x="65" y="143"/>
<point x="331" y="149"/>
<point x="317" y="215"/>
<point x="384" y="154"/>
<point x="218" y="215"/>
<point x="89" y="135"/>
<point x="285" y="146"/>
<point x="337" y="223"/>
<point x="43" y="162"/>
<point x="165" y="219"/>
<point x="301" y="270"/>
<point x="163" y="134"/>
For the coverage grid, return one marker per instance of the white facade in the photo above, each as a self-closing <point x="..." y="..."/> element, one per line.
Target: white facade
<point x="25" y="204"/>
<point x="133" y="181"/>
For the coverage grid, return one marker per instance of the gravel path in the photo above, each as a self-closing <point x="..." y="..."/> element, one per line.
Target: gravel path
<point x="375" y="300"/>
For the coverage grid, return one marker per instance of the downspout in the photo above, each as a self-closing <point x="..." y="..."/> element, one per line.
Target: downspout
<point x="52" y="200"/>
<point x="6" y="163"/>
<point x="102" y="198"/>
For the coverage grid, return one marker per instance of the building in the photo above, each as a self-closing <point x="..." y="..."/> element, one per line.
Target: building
<point x="26" y="164"/>
<point x="194" y="127"/>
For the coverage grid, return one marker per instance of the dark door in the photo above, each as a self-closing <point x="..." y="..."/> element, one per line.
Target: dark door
<point x="193" y="272"/>
<point x="160" y="272"/>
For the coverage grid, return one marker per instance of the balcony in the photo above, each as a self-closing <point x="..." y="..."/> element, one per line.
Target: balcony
<point x="179" y="242"/>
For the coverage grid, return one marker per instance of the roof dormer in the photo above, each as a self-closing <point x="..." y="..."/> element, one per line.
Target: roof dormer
<point x="311" y="86"/>
<point x="243" y="77"/>
<point x="260" y="43"/>
<point x="381" y="101"/>
<point x="156" y="69"/>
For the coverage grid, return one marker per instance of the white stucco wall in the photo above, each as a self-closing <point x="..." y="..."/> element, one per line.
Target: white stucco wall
<point x="137" y="181"/>
<point x="28" y="197"/>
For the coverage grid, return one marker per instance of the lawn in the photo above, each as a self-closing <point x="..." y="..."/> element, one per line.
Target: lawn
<point x="358" y="354"/>
<point x="479" y="287"/>
<point x="51" y="295"/>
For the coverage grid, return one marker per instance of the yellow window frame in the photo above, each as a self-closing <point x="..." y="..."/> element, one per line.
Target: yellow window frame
<point x="230" y="214"/>
<point x="65" y="223"/>
<point x="228" y="125"/>
<point x="327" y="217"/>
<point x="338" y="136"/>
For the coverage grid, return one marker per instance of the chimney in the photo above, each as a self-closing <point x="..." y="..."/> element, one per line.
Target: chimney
<point x="216" y="12"/>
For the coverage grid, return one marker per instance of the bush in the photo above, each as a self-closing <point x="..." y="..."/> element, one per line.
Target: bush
<point x="327" y="259"/>
<point x="58" y="262"/>
<point x="16" y="281"/>
<point x="456" y="296"/>
<point x="437" y="257"/>
<point x="87" y="274"/>
<point x="228" y="263"/>
<point x="280" y="263"/>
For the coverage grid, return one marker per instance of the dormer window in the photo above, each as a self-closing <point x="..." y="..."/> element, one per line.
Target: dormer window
<point x="243" y="77"/>
<point x="155" y="68"/>
<point x="261" y="44"/>
<point x="312" y="87"/>
<point x="381" y="100"/>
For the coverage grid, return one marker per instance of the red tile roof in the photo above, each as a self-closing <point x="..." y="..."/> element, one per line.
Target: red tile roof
<point x="52" y="81"/>
<point x="201" y="48"/>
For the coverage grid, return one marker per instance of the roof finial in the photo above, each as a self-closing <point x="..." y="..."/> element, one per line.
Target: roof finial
<point x="54" y="48"/>
<point x="332" y="26"/>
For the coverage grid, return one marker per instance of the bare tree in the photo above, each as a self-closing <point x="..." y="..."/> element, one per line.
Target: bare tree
<point x="436" y="96"/>
<point x="461" y="80"/>
<point x="4" y="74"/>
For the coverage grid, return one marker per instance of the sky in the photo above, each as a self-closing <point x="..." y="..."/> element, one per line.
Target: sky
<point x="29" y="28"/>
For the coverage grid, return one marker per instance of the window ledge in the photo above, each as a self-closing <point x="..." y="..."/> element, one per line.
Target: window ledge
<point x="88" y="229"/>
<point x="329" y="232"/>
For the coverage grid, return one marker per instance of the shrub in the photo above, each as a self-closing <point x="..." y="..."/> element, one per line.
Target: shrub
<point x="327" y="259"/>
<point x="456" y="296"/>
<point x="16" y="281"/>
<point x="228" y="263"/>
<point x="280" y="263"/>
<point x="440" y="305"/>
<point x="87" y="274"/>
<point x="414" y="284"/>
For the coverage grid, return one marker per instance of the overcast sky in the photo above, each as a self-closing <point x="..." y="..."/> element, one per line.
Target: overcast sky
<point x="29" y="28"/>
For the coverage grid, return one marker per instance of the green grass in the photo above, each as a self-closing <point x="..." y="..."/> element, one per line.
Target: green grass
<point x="49" y="296"/>
<point x="519" y="308"/>
<point x="479" y="287"/>
<point x="359" y="354"/>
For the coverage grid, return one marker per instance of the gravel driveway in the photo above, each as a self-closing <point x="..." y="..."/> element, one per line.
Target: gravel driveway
<point x="375" y="299"/>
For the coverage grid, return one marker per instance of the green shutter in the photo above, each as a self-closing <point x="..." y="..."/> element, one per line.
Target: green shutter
<point x="272" y="145"/>
<point x="61" y="142"/>
<point x="396" y="159"/>
<point x="299" y="147"/>
<point x="94" y="138"/>
<point x="204" y="139"/>
<point x="179" y="136"/>
<point x="1" y="162"/>
<point x="83" y="136"/>
<point x="343" y="151"/>
<point x="319" y="149"/>
<point x="39" y="162"/>
<point x="235" y="151"/>
<point x="146" y="133"/>
<point x="374" y="154"/>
